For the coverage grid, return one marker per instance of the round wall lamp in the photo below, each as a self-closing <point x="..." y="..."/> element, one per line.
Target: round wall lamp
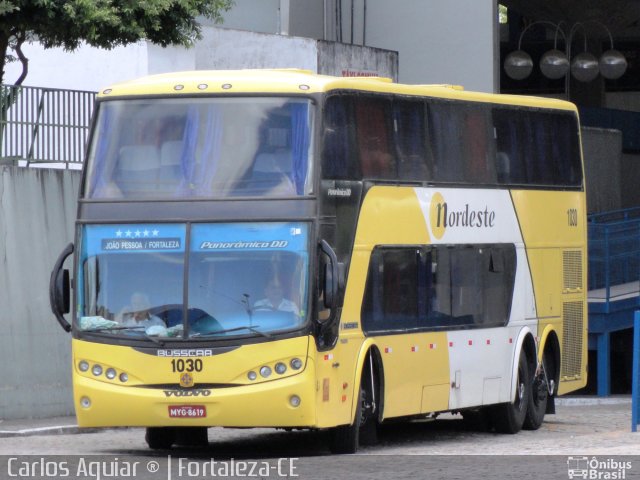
<point x="555" y="63"/>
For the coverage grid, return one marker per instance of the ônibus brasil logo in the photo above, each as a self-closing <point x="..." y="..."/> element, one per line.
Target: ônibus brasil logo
<point x="443" y="216"/>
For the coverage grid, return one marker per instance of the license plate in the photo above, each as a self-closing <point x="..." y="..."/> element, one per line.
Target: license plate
<point x="187" y="411"/>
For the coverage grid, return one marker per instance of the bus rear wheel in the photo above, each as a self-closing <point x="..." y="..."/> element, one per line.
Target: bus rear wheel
<point x="539" y="396"/>
<point x="509" y="417"/>
<point x="160" y="438"/>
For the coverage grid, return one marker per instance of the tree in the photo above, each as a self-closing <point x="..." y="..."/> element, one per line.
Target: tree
<point x="99" y="23"/>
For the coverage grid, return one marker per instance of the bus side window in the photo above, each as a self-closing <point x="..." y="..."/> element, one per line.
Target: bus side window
<point x="512" y="144"/>
<point x="409" y="130"/>
<point x="441" y="273"/>
<point x="446" y="125"/>
<point x="373" y="138"/>
<point x="499" y="276"/>
<point x="339" y="161"/>
<point x="391" y="293"/>
<point x="466" y="284"/>
<point x="479" y="150"/>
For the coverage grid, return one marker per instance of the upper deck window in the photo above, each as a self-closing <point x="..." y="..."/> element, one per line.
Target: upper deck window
<point x="412" y="139"/>
<point x="201" y="148"/>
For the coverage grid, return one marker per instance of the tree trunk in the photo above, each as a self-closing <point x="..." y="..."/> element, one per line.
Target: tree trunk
<point x="4" y="46"/>
<point x="23" y="60"/>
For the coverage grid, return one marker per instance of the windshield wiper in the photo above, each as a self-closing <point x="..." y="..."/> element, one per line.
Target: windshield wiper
<point x="153" y="338"/>
<point x="253" y="329"/>
<point x="103" y="329"/>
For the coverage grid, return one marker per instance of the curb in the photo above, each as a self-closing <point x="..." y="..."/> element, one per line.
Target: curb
<point x="54" y="430"/>
<point x="591" y="401"/>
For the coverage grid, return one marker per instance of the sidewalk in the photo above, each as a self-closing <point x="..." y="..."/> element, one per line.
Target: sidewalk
<point x="68" y="425"/>
<point x="40" y="426"/>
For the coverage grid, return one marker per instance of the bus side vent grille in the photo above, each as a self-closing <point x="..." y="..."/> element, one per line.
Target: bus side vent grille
<point x="572" y="330"/>
<point x="572" y="270"/>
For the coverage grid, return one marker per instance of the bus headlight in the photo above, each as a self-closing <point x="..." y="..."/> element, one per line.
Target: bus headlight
<point x="97" y="370"/>
<point x="124" y="377"/>
<point x="85" y="402"/>
<point x="294" y="400"/>
<point x="252" y="375"/>
<point x="110" y="373"/>
<point x="265" y="371"/>
<point x="83" y="366"/>
<point x="296" y="363"/>
<point x="280" y="368"/>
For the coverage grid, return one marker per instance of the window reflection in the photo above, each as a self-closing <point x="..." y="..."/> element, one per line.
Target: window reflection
<point x="243" y="279"/>
<point x="201" y="148"/>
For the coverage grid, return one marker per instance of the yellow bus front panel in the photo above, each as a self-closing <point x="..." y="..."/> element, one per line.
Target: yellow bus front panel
<point x="221" y="394"/>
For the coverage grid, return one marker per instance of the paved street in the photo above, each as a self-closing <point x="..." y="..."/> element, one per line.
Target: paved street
<point x="445" y="446"/>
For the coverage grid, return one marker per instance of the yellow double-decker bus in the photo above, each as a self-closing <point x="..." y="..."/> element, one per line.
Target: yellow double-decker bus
<point x="277" y="248"/>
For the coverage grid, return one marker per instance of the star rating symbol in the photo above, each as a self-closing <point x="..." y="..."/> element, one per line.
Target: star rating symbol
<point x="138" y="233"/>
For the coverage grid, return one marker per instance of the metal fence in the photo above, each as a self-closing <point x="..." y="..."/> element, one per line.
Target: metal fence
<point x="614" y="249"/>
<point x="44" y="125"/>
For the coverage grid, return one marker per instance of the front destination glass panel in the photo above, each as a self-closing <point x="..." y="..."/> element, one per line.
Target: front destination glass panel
<point x="243" y="279"/>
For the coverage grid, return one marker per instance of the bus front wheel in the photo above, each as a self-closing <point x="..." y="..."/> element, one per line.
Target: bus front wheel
<point x="160" y="438"/>
<point x="346" y="438"/>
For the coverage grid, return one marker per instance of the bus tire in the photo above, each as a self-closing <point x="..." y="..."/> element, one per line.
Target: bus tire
<point x="192" y="436"/>
<point x="509" y="417"/>
<point x="477" y="420"/>
<point x="539" y="397"/>
<point x="160" y="438"/>
<point x="346" y="438"/>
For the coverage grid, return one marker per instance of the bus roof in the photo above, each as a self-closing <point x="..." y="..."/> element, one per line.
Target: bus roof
<point x="303" y="82"/>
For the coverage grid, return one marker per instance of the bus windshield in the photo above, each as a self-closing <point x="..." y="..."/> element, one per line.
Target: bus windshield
<point x="242" y="279"/>
<point x="180" y="148"/>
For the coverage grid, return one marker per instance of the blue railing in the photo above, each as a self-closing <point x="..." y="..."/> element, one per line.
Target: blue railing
<point x="614" y="250"/>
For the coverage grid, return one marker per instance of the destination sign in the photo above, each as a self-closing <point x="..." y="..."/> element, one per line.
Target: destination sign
<point x="122" y="244"/>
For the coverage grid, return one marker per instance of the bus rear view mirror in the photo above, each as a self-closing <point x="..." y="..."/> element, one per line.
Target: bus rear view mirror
<point x="329" y="287"/>
<point x="331" y="273"/>
<point x="60" y="289"/>
<point x="63" y="292"/>
<point x="334" y="273"/>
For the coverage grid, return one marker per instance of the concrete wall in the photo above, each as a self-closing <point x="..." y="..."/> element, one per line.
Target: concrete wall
<point x="630" y="180"/>
<point x="222" y="48"/>
<point x="255" y="15"/>
<point x="37" y="213"/>
<point x="602" y="150"/>
<point x="453" y="41"/>
<point x="343" y="60"/>
<point x="87" y="68"/>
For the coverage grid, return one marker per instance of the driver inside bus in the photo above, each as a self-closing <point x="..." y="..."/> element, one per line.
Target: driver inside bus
<point x="274" y="299"/>
<point x="138" y="314"/>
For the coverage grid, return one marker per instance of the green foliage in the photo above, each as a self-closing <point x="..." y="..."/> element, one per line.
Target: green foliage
<point x="103" y="23"/>
<point x="503" y="14"/>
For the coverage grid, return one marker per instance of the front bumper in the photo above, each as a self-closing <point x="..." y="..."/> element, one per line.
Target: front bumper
<point x="266" y="404"/>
